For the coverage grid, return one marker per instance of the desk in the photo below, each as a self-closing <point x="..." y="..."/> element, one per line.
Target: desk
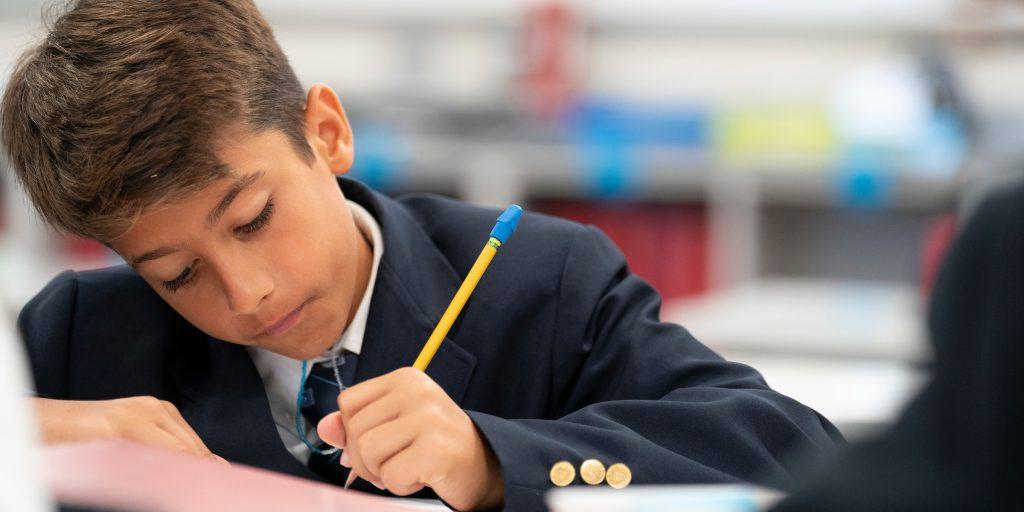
<point x="850" y="350"/>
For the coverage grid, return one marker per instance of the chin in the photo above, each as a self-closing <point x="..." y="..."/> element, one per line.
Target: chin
<point x="308" y="345"/>
<point x="298" y="351"/>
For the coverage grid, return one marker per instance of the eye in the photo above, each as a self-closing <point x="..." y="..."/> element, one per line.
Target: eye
<point x="260" y="220"/>
<point x="183" y="279"/>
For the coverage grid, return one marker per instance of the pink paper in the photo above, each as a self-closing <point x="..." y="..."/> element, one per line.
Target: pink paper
<point x="125" y="475"/>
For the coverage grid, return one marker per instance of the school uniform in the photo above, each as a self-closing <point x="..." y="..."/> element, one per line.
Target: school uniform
<point x="558" y="356"/>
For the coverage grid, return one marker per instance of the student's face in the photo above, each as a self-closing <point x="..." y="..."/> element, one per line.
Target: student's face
<point x="280" y="266"/>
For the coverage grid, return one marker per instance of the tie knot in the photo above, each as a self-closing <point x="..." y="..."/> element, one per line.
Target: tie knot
<point x="324" y="382"/>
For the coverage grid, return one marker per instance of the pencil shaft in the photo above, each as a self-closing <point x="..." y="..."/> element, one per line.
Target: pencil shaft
<point x="455" y="307"/>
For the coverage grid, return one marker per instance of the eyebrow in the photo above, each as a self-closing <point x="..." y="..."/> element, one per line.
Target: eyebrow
<point x="236" y="188"/>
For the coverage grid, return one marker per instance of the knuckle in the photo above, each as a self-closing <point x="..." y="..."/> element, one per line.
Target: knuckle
<point x="364" y="446"/>
<point x="408" y="372"/>
<point x="354" y="430"/>
<point x="369" y="456"/>
<point x="435" y="413"/>
<point x="390" y="478"/>
<point x="149" y="402"/>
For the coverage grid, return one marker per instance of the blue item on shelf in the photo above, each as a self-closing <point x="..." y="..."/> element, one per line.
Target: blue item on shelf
<point x="608" y="135"/>
<point x="866" y="178"/>
<point x="380" y="156"/>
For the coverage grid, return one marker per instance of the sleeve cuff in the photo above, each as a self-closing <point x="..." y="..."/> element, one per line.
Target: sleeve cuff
<point x="524" y="466"/>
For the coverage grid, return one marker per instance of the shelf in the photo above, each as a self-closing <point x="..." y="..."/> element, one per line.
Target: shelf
<point x="550" y="171"/>
<point x="805" y="317"/>
<point x="678" y="19"/>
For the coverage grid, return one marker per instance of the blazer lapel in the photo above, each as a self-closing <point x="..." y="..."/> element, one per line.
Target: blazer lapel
<point x="226" y="403"/>
<point x="414" y="285"/>
<point x="396" y="333"/>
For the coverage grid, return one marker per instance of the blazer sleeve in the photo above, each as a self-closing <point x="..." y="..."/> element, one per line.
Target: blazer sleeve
<point x="46" y="325"/>
<point x="636" y="390"/>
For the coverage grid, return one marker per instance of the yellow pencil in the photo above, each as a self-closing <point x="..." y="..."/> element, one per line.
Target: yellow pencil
<point x="503" y="229"/>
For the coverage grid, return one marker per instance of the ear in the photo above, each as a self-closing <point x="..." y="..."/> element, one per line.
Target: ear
<point x="328" y="130"/>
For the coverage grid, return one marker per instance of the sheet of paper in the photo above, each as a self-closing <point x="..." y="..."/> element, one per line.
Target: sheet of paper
<point x="124" y="475"/>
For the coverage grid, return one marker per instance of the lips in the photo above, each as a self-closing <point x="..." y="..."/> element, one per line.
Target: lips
<point x="285" y="323"/>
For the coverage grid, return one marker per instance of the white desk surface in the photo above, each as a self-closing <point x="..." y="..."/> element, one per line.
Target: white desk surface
<point x="848" y="350"/>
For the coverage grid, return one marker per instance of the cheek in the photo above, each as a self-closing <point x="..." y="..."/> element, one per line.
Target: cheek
<point x="316" y="243"/>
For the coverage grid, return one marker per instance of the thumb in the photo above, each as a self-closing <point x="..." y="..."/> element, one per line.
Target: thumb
<point x="331" y="430"/>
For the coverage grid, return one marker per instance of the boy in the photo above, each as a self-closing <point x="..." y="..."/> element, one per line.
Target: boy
<point x="176" y="133"/>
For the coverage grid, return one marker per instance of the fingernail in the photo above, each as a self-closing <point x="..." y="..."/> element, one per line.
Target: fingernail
<point x="344" y="460"/>
<point x="379" y="486"/>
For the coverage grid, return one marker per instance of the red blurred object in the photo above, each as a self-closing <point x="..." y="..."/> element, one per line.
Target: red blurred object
<point x="665" y="244"/>
<point x="937" y="240"/>
<point x="552" y="43"/>
<point x="83" y="248"/>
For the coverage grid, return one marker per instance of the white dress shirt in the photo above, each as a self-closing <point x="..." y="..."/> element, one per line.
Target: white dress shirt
<point x="281" y="375"/>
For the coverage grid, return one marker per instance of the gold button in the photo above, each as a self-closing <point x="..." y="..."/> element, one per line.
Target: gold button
<point x="562" y="473"/>
<point x="592" y="471"/>
<point x="619" y="475"/>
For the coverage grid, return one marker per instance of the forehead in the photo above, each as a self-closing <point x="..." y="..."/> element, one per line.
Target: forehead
<point x="244" y="157"/>
<point x="186" y="211"/>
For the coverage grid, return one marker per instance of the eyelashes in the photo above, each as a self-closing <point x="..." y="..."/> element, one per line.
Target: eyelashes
<point x="260" y="220"/>
<point x="174" y="284"/>
<point x="188" y="274"/>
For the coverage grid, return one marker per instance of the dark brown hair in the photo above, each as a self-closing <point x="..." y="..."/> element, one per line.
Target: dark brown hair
<point x="117" y="109"/>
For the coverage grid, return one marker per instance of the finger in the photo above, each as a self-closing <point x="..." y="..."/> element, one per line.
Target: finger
<point x="170" y="424"/>
<point x="384" y="441"/>
<point x="184" y="430"/>
<point x="352" y="399"/>
<point x="351" y="458"/>
<point x="154" y="435"/>
<point x="356" y="467"/>
<point x="331" y="430"/>
<point x="386" y="408"/>
<point x="402" y="474"/>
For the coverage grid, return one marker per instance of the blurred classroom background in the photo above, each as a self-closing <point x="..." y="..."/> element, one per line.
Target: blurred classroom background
<point x="787" y="174"/>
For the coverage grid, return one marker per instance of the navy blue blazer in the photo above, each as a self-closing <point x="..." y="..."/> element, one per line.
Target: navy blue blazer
<point x="559" y="355"/>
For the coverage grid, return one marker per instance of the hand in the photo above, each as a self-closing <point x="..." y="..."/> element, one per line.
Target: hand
<point x="142" y="419"/>
<point x="402" y="432"/>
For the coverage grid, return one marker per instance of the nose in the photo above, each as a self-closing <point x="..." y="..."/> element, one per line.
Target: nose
<point x="246" y="285"/>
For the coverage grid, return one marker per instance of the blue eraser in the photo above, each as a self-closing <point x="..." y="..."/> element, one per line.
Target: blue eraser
<point x="507" y="223"/>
